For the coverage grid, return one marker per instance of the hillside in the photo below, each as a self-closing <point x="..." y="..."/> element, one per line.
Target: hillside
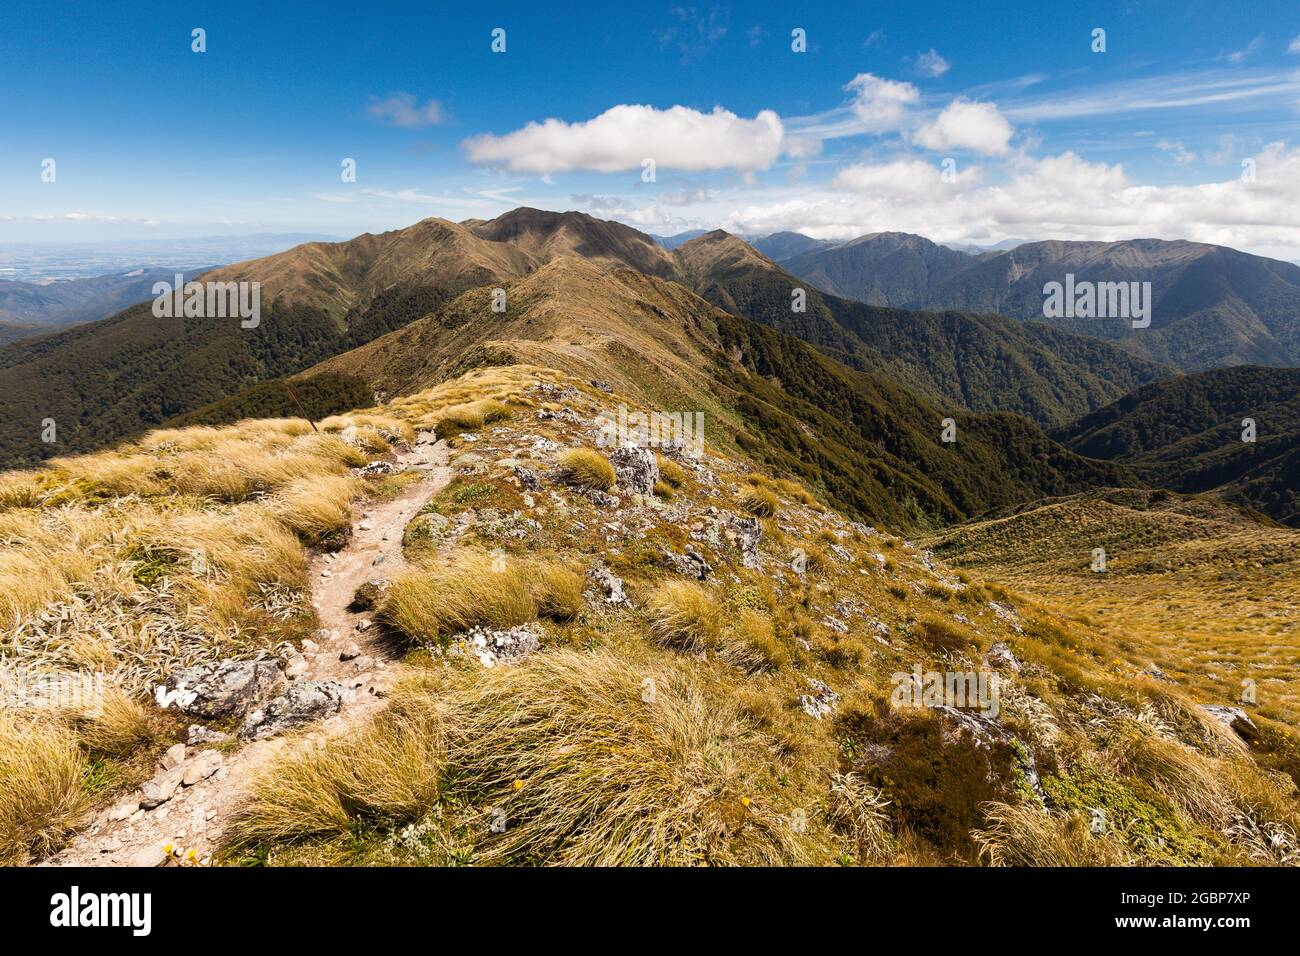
<point x="981" y="362"/>
<point x="871" y="443"/>
<point x="1206" y="592"/>
<point x="1186" y="434"/>
<point x="1212" y="306"/>
<point x="511" y="646"/>
<point x="110" y="379"/>
<point x="37" y="308"/>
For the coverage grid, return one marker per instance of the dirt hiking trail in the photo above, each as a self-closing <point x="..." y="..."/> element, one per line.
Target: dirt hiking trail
<point x="346" y="649"/>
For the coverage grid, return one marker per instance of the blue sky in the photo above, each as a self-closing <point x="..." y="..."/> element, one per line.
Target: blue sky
<point x="1044" y="138"/>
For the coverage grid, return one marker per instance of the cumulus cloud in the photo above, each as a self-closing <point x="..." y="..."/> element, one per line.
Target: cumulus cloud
<point x="1056" y="197"/>
<point x="881" y="104"/>
<point x="623" y="136"/>
<point x="403" y="109"/>
<point x="930" y="63"/>
<point x="1294" y="46"/>
<point x="964" y="124"/>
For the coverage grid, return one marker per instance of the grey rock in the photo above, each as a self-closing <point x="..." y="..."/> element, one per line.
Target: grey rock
<point x="161" y="788"/>
<point x="691" y="564"/>
<point x="198" y="734"/>
<point x="350" y="652"/>
<point x="528" y="479"/>
<point x="1233" y="718"/>
<point x="1000" y="655"/>
<point x="745" y="533"/>
<point x="637" y="469"/>
<point x="201" y="767"/>
<point x="221" y="688"/>
<point x="300" y="704"/>
<point x="608" y="586"/>
<point x="820" y="703"/>
<point x="174" y="757"/>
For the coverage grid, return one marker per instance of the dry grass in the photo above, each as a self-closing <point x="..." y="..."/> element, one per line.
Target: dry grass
<point x="751" y="643"/>
<point x="587" y="468"/>
<point x="317" y="509"/>
<point x="760" y="502"/>
<point x="470" y="417"/>
<point x="429" y="605"/>
<point x="1025" y="835"/>
<point x="857" y="810"/>
<point x="684" y="616"/>
<point x="588" y="759"/>
<point x="41" y="793"/>
<point x="556" y="589"/>
<point x="673" y="474"/>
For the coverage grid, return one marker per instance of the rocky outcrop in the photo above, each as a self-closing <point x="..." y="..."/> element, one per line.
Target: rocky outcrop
<point x="221" y="688"/>
<point x="637" y="469"/>
<point x="821" y="702"/>
<point x="300" y="704"/>
<point x="745" y="533"/>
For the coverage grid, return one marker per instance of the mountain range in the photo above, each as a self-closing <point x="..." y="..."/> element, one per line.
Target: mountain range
<point x="1211" y="306"/>
<point x="405" y="309"/>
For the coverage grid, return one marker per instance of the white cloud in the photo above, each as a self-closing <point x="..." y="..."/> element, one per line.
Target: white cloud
<point x="910" y="177"/>
<point x="881" y="105"/>
<point x="930" y="63"/>
<point x="1182" y="155"/>
<point x="623" y="136"/>
<point x="1242" y="55"/>
<point x="1294" y="46"/>
<point x="1056" y="197"/>
<point x="403" y="109"/>
<point x="966" y="125"/>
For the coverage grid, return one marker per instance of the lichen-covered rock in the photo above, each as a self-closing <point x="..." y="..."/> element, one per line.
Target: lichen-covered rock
<point x="745" y="534"/>
<point x="608" y="587"/>
<point x="637" y="469"/>
<point x="221" y="688"/>
<point x="1000" y="655"/>
<point x="691" y="564"/>
<point x="1234" y="718"/>
<point x="300" y="704"/>
<point x="493" y="646"/>
<point x="821" y="702"/>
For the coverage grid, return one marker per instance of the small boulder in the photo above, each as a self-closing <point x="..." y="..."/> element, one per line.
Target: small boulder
<point x="220" y="689"/>
<point x="201" y="767"/>
<point x="198" y="734"/>
<point x="161" y="788"/>
<point x="636" y="467"/>
<point x="300" y="704"/>
<point x="174" y="757"/>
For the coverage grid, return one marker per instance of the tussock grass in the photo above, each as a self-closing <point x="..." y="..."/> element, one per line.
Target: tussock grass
<point x="587" y="468"/>
<point x="673" y="474"/>
<point x="317" y="509"/>
<point x="122" y="726"/>
<point x="470" y="417"/>
<point x="585" y="764"/>
<point x="760" y="502"/>
<point x="429" y="605"/>
<point x="556" y="589"/>
<point x="1025" y="835"/>
<point x="751" y="643"/>
<point x="684" y="616"/>
<point x="857" y="810"/>
<point x="41" y="792"/>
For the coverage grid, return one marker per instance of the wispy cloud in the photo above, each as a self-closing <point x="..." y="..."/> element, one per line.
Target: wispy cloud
<point x="404" y="109"/>
<point x="931" y="64"/>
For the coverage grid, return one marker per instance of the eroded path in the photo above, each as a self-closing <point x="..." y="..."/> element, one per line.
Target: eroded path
<point x="346" y="650"/>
